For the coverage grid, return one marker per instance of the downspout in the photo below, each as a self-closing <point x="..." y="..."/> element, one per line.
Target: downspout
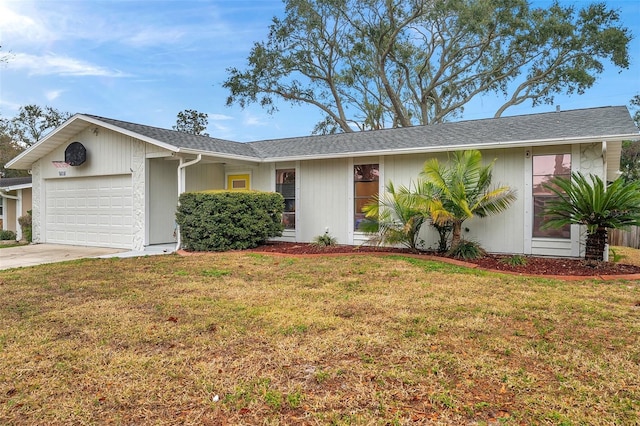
<point x="182" y="188"/>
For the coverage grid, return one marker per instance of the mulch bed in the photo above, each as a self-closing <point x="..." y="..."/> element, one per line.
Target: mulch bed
<point x="534" y="265"/>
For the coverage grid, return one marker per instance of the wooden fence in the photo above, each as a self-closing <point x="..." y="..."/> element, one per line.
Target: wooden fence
<point x="628" y="238"/>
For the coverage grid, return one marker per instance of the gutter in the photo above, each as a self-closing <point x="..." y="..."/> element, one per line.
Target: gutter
<point x="5" y="195"/>
<point x="182" y="187"/>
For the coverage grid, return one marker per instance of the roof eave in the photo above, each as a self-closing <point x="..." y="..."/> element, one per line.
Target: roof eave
<point x="16" y="187"/>
<point x="223" y="156"/>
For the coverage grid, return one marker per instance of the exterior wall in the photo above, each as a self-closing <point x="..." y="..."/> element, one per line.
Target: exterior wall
<point x="201" y="177"/>
<point x="26" y="200"/>
<point x="10" y="215"/>
<point x="323" y="199"/>
<point x="502" y="233"/>
<point x="162" y="199"/>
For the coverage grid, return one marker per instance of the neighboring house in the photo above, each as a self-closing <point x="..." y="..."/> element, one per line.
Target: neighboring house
<point x="15" y="201"/>
<point x="121" y="189"/>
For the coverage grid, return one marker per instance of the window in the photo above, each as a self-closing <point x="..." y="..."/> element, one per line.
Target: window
<point x="286" y="185"/>
<point x="545" y="168"/>
<point x="365" y="187"/>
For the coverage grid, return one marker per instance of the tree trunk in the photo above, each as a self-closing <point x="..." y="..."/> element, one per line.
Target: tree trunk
<point x="596" y="243"/>
<point x="456" y="232"/>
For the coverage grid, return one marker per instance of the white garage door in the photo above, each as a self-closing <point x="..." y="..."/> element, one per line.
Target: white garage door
<point x="94" y="211"/>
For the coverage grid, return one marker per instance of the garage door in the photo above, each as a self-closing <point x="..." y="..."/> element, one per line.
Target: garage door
<point x="93" y="211"/>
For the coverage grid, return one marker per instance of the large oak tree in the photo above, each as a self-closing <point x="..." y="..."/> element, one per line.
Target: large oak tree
<point x="369" y="64"/>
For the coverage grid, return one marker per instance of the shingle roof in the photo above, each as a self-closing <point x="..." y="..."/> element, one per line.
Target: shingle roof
<point x="583" y="123"/>
<point x="7" y="182"/>
<point x="182" y="139"/>
<point x="552" y="126"/>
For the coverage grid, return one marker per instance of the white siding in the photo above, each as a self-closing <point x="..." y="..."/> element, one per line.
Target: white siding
<point x="108" y="153"/>
<point x="202" y="176"/>
<point x="323" y="199"/>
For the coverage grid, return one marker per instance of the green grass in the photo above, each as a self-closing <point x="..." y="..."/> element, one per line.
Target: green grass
<point x="351" y="340"/>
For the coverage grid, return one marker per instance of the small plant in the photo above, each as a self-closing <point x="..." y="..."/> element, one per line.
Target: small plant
<point x="324" y="240"/>
<point x="26" y="223"/>
<point x="7" y="235"/>
<point x="615" y="257"/>
<point x="466" y="250"/>
<point x="515" y="260"/>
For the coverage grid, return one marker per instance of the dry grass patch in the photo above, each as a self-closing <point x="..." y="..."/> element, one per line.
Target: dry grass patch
<point x="627" y="255"/>
<point x="256" y="339"/>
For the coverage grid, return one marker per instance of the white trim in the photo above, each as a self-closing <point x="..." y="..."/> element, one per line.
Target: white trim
<point x="528" y="199"/>
<point x="18" y="215"/>
<point x="147" y="201"/>
<point x="350" y="202"/>
<point x="298" y="203"/>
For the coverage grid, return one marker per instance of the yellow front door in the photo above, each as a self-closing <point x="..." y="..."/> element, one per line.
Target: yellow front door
<point x="238" y="182"/>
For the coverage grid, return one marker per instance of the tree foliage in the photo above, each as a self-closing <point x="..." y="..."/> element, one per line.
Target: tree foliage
<point x="630" y="161"/>
<point x="8" y="150"/>
<point x="32" y="123"/>
<point x="192" y="122"/>
<point x="591" y="203"/>
<point x="369" y="64"/>
<point x="394" y="218"/>
<point x="635" y="106"/>
<point x="630" y="157"/>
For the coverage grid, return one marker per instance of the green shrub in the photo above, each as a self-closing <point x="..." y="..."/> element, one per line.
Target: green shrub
<point x="466" y="250"/>
<point x="324" y="240"/>
<point x="7" y="235"/>
<point x="228" y="220"/>
<point x="25" y="222"/>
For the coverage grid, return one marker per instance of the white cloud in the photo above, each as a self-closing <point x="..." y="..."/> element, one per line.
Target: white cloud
<point x="253" y="120"/>
<point x="219" y="117"/>
<point x="51" y="64"/>
<point x="21" y="28"/>
<point x="52" y="95"/>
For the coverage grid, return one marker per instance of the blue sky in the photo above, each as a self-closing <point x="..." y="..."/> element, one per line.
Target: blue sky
<point x="145" y="61"/>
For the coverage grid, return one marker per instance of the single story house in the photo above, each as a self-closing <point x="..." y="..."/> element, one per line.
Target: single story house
<point x="15" y="201"/>
<point x="104" y="182"/>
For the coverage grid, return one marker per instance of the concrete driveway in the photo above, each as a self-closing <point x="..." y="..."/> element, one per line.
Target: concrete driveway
<point x="36" y="254"/>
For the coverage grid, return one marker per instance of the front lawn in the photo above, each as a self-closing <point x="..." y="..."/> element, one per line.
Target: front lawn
<point x="258" y="339"/>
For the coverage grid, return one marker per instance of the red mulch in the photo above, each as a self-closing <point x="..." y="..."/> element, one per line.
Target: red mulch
<point x="533" y="266"/>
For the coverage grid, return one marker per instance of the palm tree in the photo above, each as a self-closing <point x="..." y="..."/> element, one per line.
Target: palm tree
<point x="394" y="218"/>
<point x="595" y="205"/>
<point x="463" y="191"/>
